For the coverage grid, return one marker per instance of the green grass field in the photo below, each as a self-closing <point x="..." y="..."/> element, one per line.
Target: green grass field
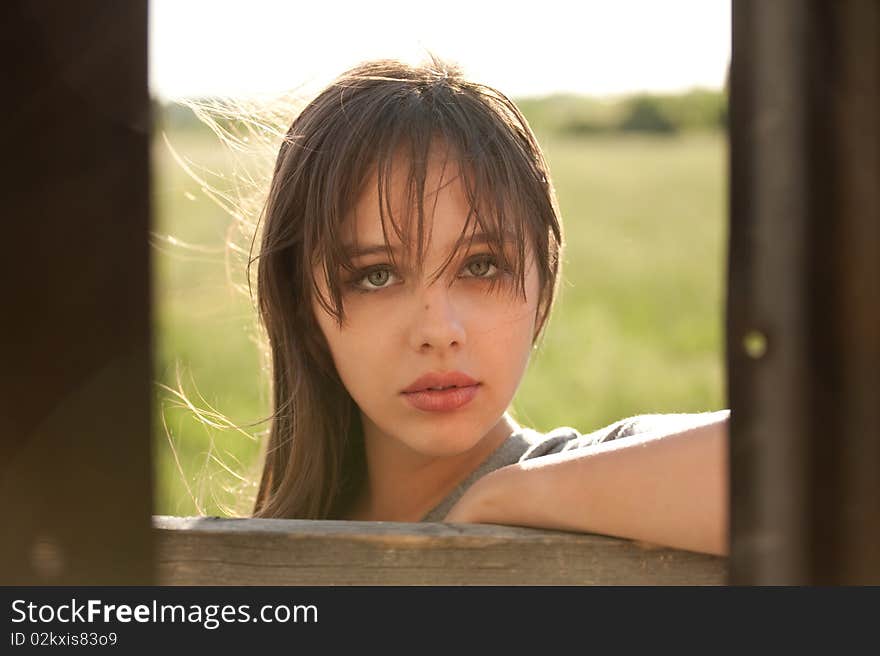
<point x="637" y="327"/>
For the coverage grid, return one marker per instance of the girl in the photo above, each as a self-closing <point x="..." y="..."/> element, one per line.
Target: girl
<point x="409" y="262"/>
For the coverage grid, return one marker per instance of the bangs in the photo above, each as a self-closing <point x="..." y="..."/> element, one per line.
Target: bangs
<point x="480" y="141"/>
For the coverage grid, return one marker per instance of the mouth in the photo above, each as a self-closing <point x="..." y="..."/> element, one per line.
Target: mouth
<point x="441" y="391"/>
<point x="437" y="389"/>
<point x="440" y="399"/>
<point x="439" y="382"/>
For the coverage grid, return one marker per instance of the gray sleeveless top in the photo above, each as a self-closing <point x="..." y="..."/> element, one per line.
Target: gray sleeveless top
<point x="527" y="443"/>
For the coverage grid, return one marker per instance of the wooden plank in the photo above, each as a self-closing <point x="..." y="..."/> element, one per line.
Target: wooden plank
<point x="75" y="477"/>
<point x="803" y="319"/>
<point x="765" y="351"/>
<point x="214" y="551"/>
<point x="845" y="277"/>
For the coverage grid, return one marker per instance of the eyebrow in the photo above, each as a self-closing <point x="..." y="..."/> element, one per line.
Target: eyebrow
<point x="478" y="238"/>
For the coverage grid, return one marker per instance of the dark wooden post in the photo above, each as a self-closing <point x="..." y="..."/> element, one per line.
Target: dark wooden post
<point x="804" y="292"/>
<point x="75" y="477"/>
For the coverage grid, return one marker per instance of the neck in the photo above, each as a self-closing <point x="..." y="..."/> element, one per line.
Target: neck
<point x="403" y="485"/>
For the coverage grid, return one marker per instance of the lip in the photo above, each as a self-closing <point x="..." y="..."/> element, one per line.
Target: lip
<point x="419" y="396"/>
<point x="442" y="401"/>
<point x="440" y="379"/>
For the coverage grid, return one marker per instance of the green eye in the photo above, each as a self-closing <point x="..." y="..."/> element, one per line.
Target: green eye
<point x="480" y="267"/>
<point x="372" y="280"/>
<point x="378" y="278"/>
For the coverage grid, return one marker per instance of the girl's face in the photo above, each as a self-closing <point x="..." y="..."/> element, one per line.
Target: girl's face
<point x="400" y="326"/>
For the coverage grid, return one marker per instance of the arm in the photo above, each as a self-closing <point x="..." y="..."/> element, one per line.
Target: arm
<point x="666" y="488"/>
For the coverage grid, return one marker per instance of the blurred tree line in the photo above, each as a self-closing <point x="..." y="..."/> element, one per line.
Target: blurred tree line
<point x="569" y="114"/>
<point x="697" y="109"/>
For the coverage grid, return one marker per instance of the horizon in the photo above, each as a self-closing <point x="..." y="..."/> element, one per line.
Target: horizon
<point x="610" y="98"/>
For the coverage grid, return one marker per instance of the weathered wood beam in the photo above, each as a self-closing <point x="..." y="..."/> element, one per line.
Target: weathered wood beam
<point x="213" y="551"/>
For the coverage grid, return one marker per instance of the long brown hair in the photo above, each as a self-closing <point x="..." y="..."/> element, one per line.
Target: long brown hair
<point x="314" y="460"/>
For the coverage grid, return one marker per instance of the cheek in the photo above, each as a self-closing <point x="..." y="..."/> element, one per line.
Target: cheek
<point x="501" y="325"/>
<point x="500" y="316"/>
<point x="334" y="338"/>
<point x="508" y="310"/>
<point x="352" y="348"/>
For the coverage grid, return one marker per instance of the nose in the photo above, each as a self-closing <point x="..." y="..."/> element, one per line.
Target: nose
<point x="437" y="325"/>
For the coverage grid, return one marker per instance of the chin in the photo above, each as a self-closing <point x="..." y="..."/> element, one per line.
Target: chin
<point x="447" y="450"/>
<point x="448" y="441"/>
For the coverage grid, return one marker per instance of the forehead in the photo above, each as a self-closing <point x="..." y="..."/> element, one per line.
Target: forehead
<point x="405" y="196"/>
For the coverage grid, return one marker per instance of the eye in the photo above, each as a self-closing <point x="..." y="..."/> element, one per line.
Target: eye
<point x="374" y="279"/>
<point x="371" y="280"/>
<point x="482" y="266"/>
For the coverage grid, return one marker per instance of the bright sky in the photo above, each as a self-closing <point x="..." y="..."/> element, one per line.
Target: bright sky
<point x="595" y="47"/>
